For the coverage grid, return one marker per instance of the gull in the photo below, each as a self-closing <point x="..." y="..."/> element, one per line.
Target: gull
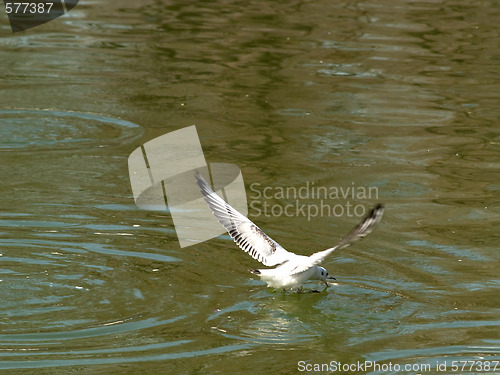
<point x="293" y="270"/>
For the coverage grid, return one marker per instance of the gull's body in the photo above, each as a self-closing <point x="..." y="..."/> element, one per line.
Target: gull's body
<point x="283" y="277"/>
<point x="292" y="270"/>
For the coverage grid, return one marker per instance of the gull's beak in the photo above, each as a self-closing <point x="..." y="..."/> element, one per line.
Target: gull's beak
<point x="329" y="278"/>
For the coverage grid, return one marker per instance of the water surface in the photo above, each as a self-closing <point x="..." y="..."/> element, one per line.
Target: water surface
<point x="402" y="97"/>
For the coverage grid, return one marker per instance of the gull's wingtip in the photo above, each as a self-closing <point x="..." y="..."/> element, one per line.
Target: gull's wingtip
<point x="377" y="211"/>
<point x="200" y="180"/>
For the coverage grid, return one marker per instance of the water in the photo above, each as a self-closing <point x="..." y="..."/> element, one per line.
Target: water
<point x="398" y="97"/>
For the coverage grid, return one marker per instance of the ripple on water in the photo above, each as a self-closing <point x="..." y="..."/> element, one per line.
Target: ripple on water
<point x="57" y="294"/>
<point x="40" y="130"/>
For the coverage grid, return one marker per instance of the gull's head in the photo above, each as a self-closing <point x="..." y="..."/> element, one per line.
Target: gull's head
<point x="322" y="275"/>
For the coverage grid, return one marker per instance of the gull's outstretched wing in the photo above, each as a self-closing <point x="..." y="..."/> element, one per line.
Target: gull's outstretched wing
<point x="362" y="230"/>
<point x="248" y="236"/>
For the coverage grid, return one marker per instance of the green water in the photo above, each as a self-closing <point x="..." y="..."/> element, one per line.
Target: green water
<point x="399" y="97"/>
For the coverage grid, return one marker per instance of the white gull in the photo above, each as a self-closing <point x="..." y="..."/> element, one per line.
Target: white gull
<point x="293" y="270"/>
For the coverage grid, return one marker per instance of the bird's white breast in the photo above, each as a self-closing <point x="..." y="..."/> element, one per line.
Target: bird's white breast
<point x="281" y="278"/>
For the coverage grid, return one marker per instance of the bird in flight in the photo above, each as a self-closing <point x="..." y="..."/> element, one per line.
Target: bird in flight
<point x="293" y="270"/>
